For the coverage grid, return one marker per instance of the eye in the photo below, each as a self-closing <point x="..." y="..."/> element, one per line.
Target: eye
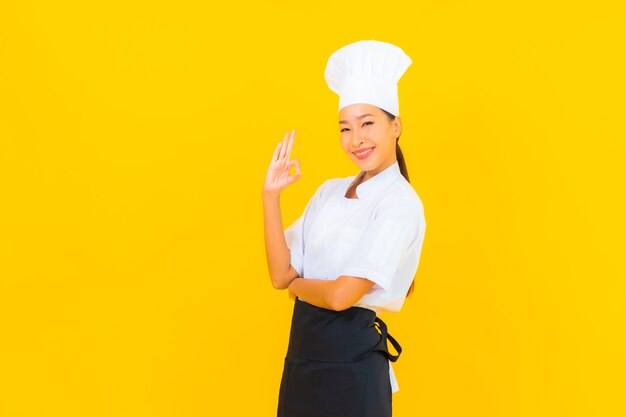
<point x="345" y="128"/>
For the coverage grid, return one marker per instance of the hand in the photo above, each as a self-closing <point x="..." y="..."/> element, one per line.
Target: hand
<point x="277" y="177"/>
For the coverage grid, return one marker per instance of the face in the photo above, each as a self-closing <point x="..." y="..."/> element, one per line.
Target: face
<point x="364" y="126"/>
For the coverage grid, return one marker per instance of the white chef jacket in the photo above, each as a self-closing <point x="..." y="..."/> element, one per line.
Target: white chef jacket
<point x="377" y="236"/>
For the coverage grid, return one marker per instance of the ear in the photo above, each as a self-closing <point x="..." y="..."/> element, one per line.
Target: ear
<point x="397" y="126"/>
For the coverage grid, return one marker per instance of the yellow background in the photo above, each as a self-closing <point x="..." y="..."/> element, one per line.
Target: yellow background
<point x="134" y="140"/>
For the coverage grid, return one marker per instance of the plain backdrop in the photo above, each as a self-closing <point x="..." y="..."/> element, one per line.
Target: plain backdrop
<point x="134" y="140"/>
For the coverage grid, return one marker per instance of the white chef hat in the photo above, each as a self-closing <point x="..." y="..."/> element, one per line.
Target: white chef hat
<point x="367" y="71"/>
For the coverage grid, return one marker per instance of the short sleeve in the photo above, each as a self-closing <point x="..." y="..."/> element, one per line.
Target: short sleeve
<point x="384" y="245"/>
<point x="294" y="234"/>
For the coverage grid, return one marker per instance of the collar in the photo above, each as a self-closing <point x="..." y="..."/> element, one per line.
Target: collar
<point x="373" y="186"/>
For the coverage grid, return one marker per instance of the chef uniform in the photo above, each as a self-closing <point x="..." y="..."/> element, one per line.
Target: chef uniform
<point x="338" y="362"/>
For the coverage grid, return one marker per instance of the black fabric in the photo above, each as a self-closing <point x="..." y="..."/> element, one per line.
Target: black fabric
<point x="337" y="364"/>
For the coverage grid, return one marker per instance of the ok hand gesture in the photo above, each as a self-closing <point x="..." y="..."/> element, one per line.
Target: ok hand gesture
<point x="277" y="177"/>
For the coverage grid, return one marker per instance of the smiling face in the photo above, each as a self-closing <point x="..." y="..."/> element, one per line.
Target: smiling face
<point x="364" y="126"/>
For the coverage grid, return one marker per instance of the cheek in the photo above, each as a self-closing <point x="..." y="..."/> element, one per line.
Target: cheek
<point x="379" y="134"/>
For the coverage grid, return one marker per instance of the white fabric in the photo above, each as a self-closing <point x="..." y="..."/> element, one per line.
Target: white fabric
<point x="377" y="236"/>
<point x="367" y="71"/>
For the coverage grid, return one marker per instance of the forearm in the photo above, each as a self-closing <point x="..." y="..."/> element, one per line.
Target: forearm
<point x="276" y="249"/>
<point x="319" y="292"/>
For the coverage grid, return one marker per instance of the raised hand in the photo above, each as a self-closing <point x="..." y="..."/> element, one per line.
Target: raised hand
<point x="277" y="177"/>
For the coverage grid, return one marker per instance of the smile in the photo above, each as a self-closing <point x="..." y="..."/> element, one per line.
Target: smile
<point x="365" y="154"/>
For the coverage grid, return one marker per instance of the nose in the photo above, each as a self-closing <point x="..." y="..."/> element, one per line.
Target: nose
<point x="356" y="140"/>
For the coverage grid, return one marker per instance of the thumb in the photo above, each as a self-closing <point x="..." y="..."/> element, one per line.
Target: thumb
<point x="294" y="163"/>
<point x="293" y="178"/>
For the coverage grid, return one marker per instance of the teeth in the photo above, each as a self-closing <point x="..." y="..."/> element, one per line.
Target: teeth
<point x="363" y="153"/>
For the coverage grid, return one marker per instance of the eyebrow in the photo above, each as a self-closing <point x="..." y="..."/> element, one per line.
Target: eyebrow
<point x="360" y="117"/>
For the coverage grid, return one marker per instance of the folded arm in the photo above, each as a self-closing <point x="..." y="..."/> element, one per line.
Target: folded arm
<point x="338" y="294"/>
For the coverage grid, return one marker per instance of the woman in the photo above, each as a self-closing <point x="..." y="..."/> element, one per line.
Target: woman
<point x="353" y="252"/>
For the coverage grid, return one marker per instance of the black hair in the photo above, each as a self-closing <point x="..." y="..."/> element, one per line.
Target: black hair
<point x="405" y="174"/>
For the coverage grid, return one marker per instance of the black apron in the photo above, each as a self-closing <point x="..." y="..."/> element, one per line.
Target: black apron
<point x="337" y="364"/>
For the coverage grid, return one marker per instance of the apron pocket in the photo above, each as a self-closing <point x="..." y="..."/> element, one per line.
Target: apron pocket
<point x="339" y="392"/>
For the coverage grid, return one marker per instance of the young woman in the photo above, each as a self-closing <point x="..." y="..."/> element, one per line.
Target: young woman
<point x="352" y="254"/>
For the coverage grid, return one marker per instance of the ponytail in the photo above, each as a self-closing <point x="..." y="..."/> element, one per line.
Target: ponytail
<point x="405" y="174"/>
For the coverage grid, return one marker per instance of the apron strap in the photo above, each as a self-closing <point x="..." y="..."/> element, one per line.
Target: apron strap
<point x="382" y="346"/>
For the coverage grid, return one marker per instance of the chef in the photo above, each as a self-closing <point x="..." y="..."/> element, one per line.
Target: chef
<point x="355" y="249"/>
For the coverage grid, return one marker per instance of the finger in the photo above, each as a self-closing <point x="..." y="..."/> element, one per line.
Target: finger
<point x="284" y="148"/>
<point x="285" y="144"/>
<point x="292" y="178"/>
<point x="276" y="150"/>
<point x="280" y="147"/>
<point x="290" y="144"/>
<point x="296" y="163"/>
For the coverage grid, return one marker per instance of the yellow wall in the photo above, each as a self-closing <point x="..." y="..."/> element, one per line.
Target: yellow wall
<point x="134" y="140"/>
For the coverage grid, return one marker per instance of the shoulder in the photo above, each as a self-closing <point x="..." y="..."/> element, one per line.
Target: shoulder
<point x="339" y="181"/>
<point x="323" y="191"/>
<point x="333" y="185"/>
<point x="401" y="199"/>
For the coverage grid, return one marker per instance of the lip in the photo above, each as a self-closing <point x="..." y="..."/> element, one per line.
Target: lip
<point x="363" y="149"/>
